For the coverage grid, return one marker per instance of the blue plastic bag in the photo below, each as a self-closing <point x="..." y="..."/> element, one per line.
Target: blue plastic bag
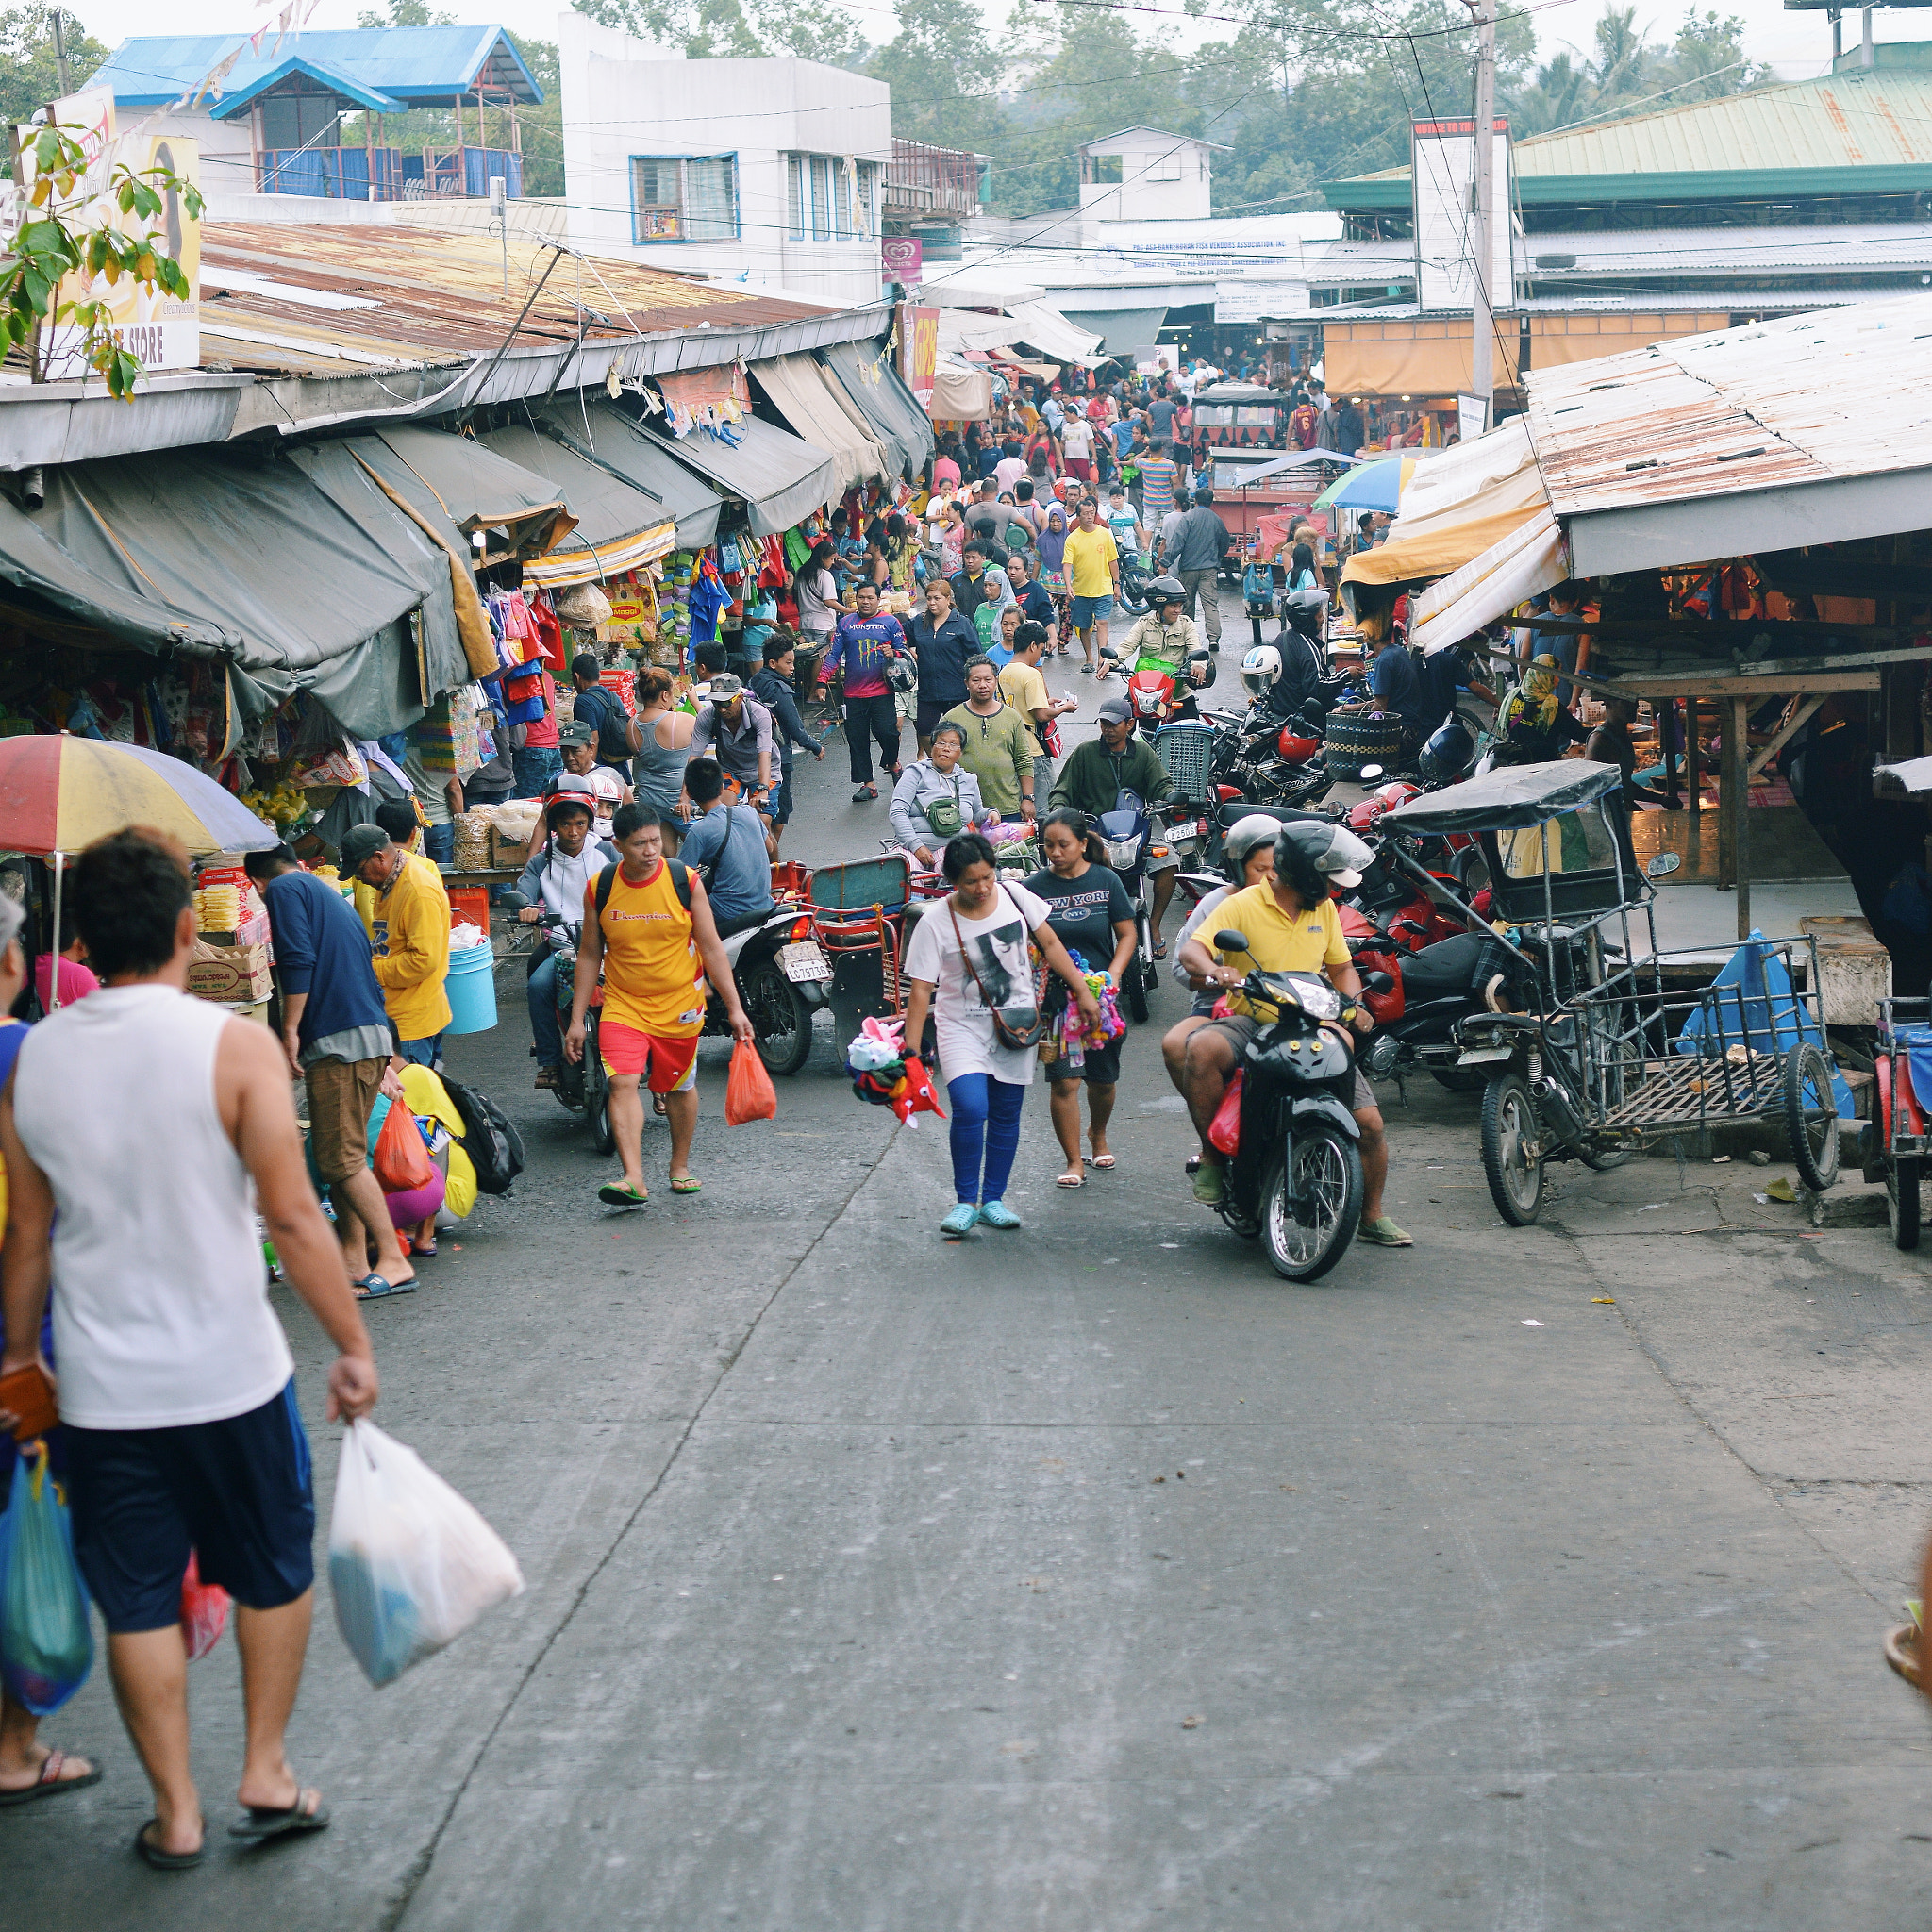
<point x="46" y="1643"/>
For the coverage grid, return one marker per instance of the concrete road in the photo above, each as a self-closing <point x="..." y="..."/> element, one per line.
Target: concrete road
<point x="1090" y="1577"/>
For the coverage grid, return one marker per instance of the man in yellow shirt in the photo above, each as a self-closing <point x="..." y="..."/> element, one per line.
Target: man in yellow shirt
<point x="410" y="936"/>
<point x="1093" y="564"/>
<point x="1024" y="687"/>
<point x="1292" y="927"/>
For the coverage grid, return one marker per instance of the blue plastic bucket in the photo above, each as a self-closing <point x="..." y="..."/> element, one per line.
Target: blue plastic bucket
<point x="472" y="990"/>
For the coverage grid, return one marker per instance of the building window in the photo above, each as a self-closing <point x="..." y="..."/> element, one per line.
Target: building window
<point x="293" y="119"/>
<point x="821" y="198"/>
<point x="684" y="200"/>
<point x="831" y="197"/>
<point x="794" y="196"/>
<point x="1165" y="167"/>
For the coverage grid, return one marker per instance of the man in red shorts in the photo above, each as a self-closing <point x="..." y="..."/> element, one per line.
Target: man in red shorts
<point x="648" y="926"/>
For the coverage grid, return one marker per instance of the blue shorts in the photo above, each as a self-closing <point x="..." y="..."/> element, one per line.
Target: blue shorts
<point x="237" y="1493"/>
<point x="1088" y="611"/>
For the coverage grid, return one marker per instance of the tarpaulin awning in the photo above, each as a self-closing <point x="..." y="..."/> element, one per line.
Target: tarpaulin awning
<point x="605" y="435"/>
<point x="1121" y="330"/>
<point x="1038" y="324"/>
<point x="299" y="575"/>
<point x="1511" y="797"/>
<point x="959" y="394"/>
<point x="865" y="370"/>
<point x="475" y="488"/>
<point x="1426" y="356"/>
<point x="619" y="528"/>
<point x="1044" y="371"/>
<point x="816" y="405"/>
<point x="780" y="479"/>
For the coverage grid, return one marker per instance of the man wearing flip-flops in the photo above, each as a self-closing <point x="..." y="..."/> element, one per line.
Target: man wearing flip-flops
<point x="151" y="1124"/>
<point x="648" y="928"/>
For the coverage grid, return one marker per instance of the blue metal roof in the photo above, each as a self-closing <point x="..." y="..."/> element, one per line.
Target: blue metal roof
<point x="412" y="66"/>
<point x="333" y="78"/>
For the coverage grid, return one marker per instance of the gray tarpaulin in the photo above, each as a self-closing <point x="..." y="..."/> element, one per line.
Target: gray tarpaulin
<point x="865" y="370"/>
<point x="617" y="527"/>
<point x="1123" y="330"/>
<point x="296" y="575"/>
<point x="817" y="406"/>
<point x="474" y="487"/>
<point x="602" y="441"/>
<point x="780" y="479"/>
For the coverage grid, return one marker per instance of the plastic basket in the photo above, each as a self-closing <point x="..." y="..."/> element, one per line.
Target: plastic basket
<point x="1187" y="750"/>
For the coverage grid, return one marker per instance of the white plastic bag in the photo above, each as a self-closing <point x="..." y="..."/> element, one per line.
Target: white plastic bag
<point x="410" y="1564"/>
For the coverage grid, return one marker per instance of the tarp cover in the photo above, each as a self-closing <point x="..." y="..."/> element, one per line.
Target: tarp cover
<point x="471" y="485"/>
<point x="816" y="406"/>
<point x="780" y="479"/>
<point x="961" y="393"/>
<point x="1530" y="558"/>
<point x="1121" y="330"/>
<point x="618" y="527"/>
<point x="865" y="371"/>
<point x="603" y="435"/>
<point x="301" y="576"/>
<point x="1511" y="797"/>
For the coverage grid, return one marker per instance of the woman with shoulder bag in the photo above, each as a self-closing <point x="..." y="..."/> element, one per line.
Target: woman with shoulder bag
<point x="970" y="967"/>
<point x="937" y="798"/>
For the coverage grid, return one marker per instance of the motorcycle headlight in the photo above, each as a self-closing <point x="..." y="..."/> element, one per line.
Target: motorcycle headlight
<point x="1318" y="1000"/>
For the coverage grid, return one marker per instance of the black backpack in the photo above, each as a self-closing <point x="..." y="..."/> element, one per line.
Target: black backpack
<point x="490" y="1137"/>
<point x="680" y="882"/>
<point x="613" y="726"/>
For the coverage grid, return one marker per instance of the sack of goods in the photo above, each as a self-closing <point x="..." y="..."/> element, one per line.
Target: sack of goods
<point x="411" y="1565"/>
<point x="472" y="838"/>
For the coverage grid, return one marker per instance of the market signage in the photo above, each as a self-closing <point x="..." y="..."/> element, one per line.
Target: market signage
<point x="1443" y="172"/>
<point x="902" y="257"/>
<point x="918" y="351"/>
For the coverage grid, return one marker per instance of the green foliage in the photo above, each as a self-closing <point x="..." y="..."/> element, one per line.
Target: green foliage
<point x="54" y="240"/>
<point x="29" y="77"/>
<point x="739" y="29"/>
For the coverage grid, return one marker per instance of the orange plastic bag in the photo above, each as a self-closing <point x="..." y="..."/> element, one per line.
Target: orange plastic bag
<point x="1224" y="1131"/>
<point x="748" y="1093"/>
<point x="401" y="1161"/>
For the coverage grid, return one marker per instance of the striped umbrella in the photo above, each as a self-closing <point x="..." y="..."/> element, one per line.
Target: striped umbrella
<point x="60" y="793"/>
<point x="1377" y="485"/>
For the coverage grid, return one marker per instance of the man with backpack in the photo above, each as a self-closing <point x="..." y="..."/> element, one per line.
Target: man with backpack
<point x="603" y="712"/>
<point x="648" y="929"/>
<point x="726" y="846"/>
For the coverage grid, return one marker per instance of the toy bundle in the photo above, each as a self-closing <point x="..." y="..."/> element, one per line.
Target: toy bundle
<point x="884" y="1074"/>
<point x="1071" y="1036"/>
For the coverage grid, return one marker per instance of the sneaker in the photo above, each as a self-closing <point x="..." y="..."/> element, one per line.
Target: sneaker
<point x="1383" y="1233"/>
<point x="1209" y="1185"/>
<point x="962" y="1221"/>
<point x="997" y="1214"/>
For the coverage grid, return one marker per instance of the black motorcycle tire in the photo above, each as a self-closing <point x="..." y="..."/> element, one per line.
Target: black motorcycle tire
<point x="1134" y="982"/>
<point x="597" y="1092"/>
<point x="781" y="1021"/>
<point x="1509" y="1115"/>
<point x="1901" y="1201"/>
<point x="1337" y="1155"/>
<point x="1459" y="1079"/>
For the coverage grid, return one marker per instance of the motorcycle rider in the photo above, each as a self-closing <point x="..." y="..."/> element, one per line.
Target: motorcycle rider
<point x="1099" y="771"/>
<point x="1292" y="927"/>
<point x="554" y="881"/>
<point x="1280" y="678"/>
<point x="1170" y="636"/>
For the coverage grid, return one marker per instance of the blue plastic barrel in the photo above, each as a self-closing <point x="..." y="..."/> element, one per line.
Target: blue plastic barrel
<point x="471" y="989"/>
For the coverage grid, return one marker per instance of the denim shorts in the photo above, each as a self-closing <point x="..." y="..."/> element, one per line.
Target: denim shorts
<point x="1091" y="611"/>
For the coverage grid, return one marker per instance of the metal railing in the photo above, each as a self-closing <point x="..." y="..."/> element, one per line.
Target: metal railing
<point x="923" y="179"/>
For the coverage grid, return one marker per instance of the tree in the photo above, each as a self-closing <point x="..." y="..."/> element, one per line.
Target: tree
<point x="945" y="76"/>
<point x="739" y="29"/>
<point x="30" y="75"/>
<point x="404" y="13"/>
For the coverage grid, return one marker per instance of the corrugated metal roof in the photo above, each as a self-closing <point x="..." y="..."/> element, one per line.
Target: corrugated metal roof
<point x="419" y="64"/>
<point x="1803" y="399"/>
<point x="323" y="300"/>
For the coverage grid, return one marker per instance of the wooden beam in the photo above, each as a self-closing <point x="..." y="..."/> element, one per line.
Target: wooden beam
<point x="1800" y="716"/>
<point x="1775" y="675"/>
<point x="1716" y="630"/>
<point x="1737" y="758"/>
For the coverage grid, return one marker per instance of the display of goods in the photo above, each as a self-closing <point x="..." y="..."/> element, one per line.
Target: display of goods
<point x="218" y="909"/>
<point x="473" y="829"/>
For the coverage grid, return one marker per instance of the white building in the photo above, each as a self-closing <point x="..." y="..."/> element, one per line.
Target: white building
<point x="1143" y="174"/>
<point x="770" y="173"/>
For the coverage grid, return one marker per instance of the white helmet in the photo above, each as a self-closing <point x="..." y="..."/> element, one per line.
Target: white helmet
<point x="1260" y="669"/>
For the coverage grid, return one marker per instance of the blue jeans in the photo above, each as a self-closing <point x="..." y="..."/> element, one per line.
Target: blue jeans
<point x="543" y="1027"/>
<point x="440" y="844"/>
<point x="532" y="766"/>
<point x="421" y="1052"/>
<point x="986" y="1120"/>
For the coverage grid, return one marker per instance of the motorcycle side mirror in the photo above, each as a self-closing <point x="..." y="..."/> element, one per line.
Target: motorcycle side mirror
<point x="1662" y="864"/>
<point x="1229" y="940"/>
<point x="514" y="902"/>
<point x="1112" y="655"/>
<point x="1379" y="982"/>
<point x="1370" y="774"/>
<point x="1193" y="656"/>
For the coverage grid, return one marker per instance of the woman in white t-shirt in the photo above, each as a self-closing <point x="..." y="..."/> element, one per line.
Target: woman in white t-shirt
<point x="817" y="595"/>
<point x="969" y="958"/>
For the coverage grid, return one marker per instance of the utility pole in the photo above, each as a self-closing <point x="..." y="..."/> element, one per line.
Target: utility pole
<point x="61" y="52"/>
<point x="1482" y="203"/>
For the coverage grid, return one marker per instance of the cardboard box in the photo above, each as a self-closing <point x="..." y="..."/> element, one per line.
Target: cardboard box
<point x="234" y="975"/>
<point x="252" y="932"/>
<point x="509" y="854"/>
<point x="254" y="1010"/>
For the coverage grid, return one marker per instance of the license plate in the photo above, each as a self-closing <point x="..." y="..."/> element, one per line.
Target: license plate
<point x="803" y="959"/>
<point x="1482" y="1056"/>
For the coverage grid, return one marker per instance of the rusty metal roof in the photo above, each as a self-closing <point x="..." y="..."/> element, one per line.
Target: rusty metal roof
<point x="303" y="299"/>
<point x="1804" y="399"/>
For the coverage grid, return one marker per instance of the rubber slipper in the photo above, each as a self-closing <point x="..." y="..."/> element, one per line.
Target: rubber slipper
<point x="260" y="1822"/>
<point x="657" y="1106"/>
<point x="1103" y="1161"/>
<point x="1161" y="949"/>
<point x="425" y="1249"/>
<point x="1069" y="1180"/>
<point x="1087" y="670"/>
<point x="688" y="1186"/>
<point x="615" y="1194"/>
<point x="50" y="1781"/>
<point x="374" y="1288"/>
<point x="149" y="1852"/>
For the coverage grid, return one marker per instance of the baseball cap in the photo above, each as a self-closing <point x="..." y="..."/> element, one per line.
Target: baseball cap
<point x="574" y="732"/>
<point x="362" y="843"/>
<point x="1116" y="711"/>
<point x="725" y="685"/>
<point x="1330" y="849"/>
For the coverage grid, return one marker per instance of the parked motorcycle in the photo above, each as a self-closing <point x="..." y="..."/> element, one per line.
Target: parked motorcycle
<point x="783" y="976"/>
<point x="1418" y="998"/>
<point x="1130" y="834"/>
<point x="1295" y="1177"/>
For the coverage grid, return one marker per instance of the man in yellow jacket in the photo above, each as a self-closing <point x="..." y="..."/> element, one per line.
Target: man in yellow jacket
<point x="410" y="933"/>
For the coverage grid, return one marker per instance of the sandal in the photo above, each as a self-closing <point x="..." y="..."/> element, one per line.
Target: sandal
<point x="1103" y="1161"/>
<point x="657" y="1106"/>
<point x="619" y="1194"/>
<point x="374" y="1288"/>
<point x="150" y="1852"/>
<point x="260" y="1822"/>
<point x="425" y="1249"/>
<point x="1069" y="1180"/>
<point x="50" y="1781"/>
<point x="688" y="1184"/>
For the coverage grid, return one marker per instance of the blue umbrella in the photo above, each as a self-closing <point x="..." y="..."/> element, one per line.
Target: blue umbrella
<point x="1374" y="486"/>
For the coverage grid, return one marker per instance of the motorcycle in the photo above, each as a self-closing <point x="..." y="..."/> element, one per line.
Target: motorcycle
<point x="1135" y="578"/>
<point x="1417" y="999"/>
<point x="582" y="1086"/>
<point x="783" y="978"/>
<point x="1295" y="1177"/>
<point x="1129" y="835"/>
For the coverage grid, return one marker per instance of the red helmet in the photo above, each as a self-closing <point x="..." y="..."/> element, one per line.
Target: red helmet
<point x="1296" y="749"/>
<point x="1150" y="692"/>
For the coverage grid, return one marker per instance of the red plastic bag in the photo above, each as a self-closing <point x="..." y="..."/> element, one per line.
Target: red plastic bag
<point x="204" y="1610"/>
<point x="401" y="1161"/>
<point x="1225" y="1128"/>
<point x="748" y="1092"/>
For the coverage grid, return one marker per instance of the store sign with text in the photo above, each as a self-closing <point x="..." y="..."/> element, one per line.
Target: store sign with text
<point x="902" y="259"/>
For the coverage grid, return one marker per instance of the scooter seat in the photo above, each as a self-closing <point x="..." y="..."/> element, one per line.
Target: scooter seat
<point x="1237" y="809"/>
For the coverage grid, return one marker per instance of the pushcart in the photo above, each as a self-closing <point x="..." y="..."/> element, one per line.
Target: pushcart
<point x="1605" y="1047"/>
<point x="1902" y="1064"/>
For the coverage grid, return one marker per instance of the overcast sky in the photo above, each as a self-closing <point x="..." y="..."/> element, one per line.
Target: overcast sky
<point x="1799" y="44"/>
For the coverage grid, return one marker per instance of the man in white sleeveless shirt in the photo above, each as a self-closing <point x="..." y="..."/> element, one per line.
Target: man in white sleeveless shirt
<point x="132" y="1127"/>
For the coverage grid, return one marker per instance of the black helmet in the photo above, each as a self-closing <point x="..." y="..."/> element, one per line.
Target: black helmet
<point x="1447" y="755"/>
<point x="1167" y="591"/>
